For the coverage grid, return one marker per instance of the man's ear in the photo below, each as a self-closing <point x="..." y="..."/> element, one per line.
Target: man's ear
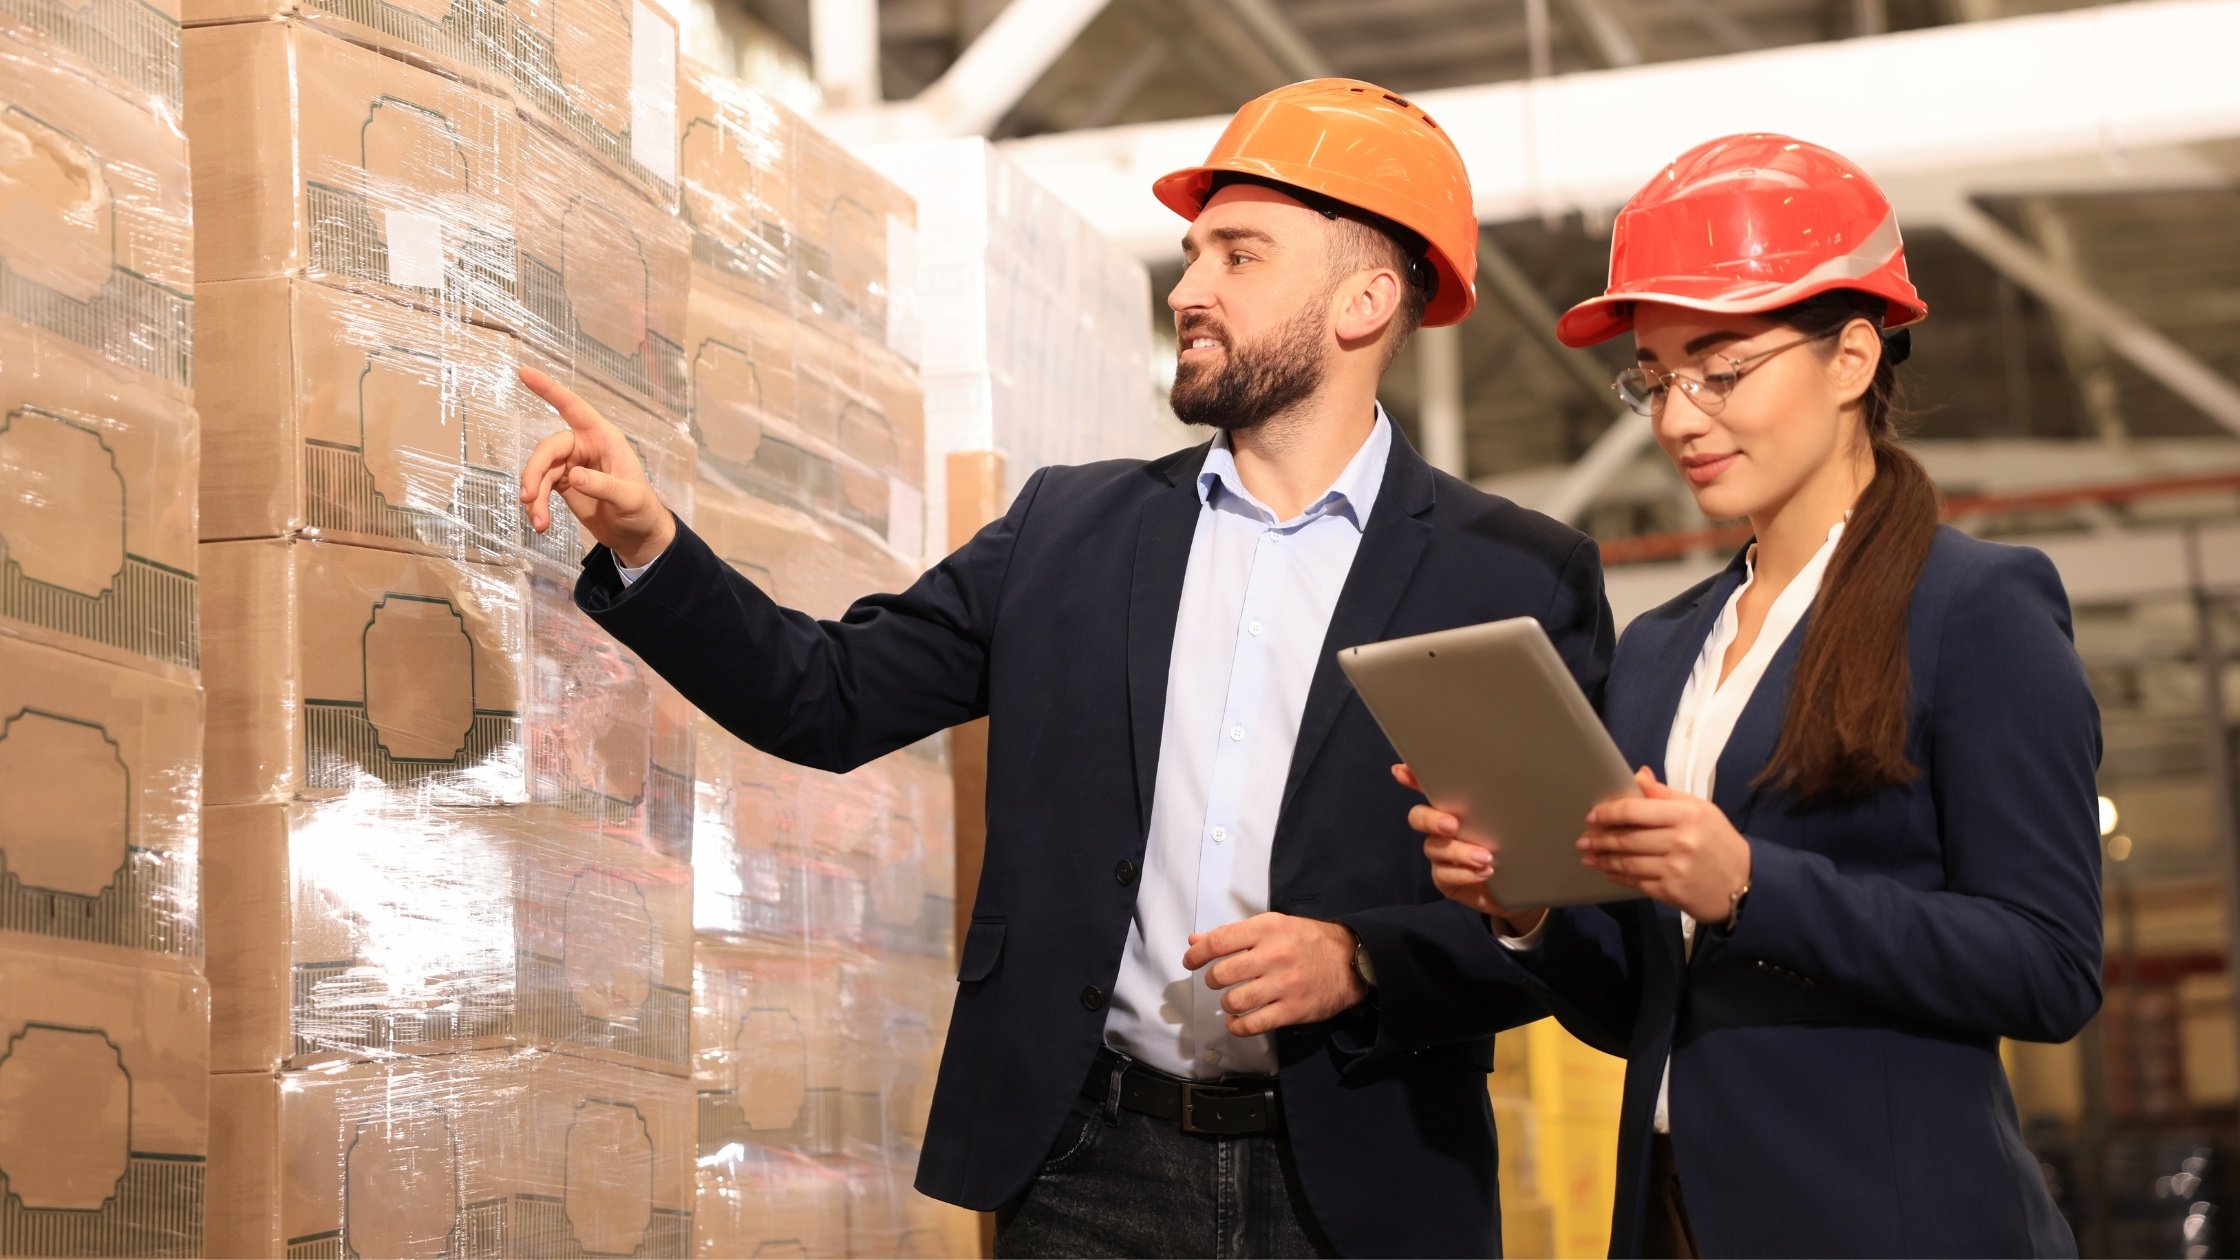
<point x="1369" y="301"/>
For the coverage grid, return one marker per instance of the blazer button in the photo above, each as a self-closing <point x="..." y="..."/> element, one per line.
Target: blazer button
<point x="1125" y="872"/>
<point x="1092" y="998"/>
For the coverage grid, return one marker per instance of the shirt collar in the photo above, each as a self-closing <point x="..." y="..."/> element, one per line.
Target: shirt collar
<point x="1351" y="496"/>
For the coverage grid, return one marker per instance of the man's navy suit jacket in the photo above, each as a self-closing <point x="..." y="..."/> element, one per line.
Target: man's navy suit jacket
<point x="1058" y="623"/>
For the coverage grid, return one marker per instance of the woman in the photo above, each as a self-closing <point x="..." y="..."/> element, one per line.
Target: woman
<point x="1867" y="837"/>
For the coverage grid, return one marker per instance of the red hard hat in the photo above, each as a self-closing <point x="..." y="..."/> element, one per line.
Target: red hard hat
<point x="1748" y="224"/>
<point x="1355" y="143"/>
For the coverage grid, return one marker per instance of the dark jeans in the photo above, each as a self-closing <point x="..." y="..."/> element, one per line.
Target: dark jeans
<point x="1117" y="1183"/>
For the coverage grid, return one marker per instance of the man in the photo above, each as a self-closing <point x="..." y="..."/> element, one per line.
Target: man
<point x="1210" y="1002"/>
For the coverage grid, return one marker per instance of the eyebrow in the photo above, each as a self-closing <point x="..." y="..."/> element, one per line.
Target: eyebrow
<point x="1230" y="236"/>
<point x="1693" y="348"/>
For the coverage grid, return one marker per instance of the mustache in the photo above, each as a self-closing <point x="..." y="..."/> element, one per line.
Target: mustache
<point x="1201" y="327"/>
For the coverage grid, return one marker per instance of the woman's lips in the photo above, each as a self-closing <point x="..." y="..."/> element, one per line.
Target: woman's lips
<point x="1702" y="470"/>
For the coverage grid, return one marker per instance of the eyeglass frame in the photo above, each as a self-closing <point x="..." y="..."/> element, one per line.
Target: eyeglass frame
<point x="1741" y="368"/>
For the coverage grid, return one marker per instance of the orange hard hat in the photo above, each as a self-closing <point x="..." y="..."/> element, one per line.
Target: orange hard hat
<point x="1748" y="224"/>
<point x="1354" y="143"/>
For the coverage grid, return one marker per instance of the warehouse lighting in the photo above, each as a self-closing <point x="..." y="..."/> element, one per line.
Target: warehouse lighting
<point x="2108" y="817"/>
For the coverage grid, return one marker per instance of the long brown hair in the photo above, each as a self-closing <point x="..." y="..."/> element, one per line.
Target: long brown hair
<point x="1844" y="735"/>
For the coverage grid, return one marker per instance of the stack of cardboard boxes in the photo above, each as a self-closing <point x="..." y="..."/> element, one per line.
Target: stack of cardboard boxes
<point x="104" y="1013"/>
<point x="1042" y="354"/>
<point x="448" y="820"/>
<point x="823" y="903"/>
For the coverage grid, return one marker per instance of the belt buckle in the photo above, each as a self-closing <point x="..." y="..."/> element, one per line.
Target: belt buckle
<point x="1190" y="1111"/>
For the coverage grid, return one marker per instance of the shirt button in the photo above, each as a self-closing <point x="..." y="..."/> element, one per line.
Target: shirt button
<point x="1220" y="834"/>
<point x="1092" y="998"/>
<point x="1125" y="872"/>
<point x="1211" y="1057"/>
<point x="1236" y="732"/>
<point x="1254" y="628"/>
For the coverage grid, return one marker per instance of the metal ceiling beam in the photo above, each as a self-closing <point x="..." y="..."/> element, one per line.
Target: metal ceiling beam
<point x="844" y="51"/>
<point x="1023" y="41"/>
<point x="2083" y="91"/>
<point x="1281" y="39"/>
<point x="2073" y="298"/>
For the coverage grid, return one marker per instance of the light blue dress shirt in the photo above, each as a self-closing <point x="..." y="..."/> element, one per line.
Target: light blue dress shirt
<point x="1256" y="606"/>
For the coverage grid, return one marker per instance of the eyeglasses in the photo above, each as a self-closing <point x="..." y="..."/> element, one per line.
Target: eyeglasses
<point x="1644" y="389"/>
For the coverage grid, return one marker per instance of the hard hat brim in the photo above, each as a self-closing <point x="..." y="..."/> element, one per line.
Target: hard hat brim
<point x="1598" y="319"/>
<point x="1186" y="192"/>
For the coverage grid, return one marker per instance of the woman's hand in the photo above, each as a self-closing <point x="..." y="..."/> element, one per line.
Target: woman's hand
<point x="1668" y="845"/>
<point x="1461" y="867"/>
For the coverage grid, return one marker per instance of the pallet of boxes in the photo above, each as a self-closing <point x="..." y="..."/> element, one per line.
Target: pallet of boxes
<point x="823" y="903"/>
<point x="447" y="820"/>
<point x="104" y="1012"/>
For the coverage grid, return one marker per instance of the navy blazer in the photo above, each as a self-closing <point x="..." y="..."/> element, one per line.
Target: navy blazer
<point x="1057" y="622"/>
<point x="1836" y="1084"/>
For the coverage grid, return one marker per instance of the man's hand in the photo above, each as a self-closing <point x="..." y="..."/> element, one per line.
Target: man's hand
<point x="592" y="466"/>
<point x="1277" y="970"/>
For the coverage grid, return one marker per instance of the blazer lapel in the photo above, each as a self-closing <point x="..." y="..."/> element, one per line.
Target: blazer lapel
<point x="1399" y="528"/>
<point x="1756" y="732"/>
<point x="1646" y="731"/>
<point x="1163" y="534"/>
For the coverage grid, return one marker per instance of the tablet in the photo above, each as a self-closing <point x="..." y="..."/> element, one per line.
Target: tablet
<point x="1498" y="732"/>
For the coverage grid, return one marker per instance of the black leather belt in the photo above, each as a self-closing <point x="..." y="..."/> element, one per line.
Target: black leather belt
<point x="1236" y="1107"/>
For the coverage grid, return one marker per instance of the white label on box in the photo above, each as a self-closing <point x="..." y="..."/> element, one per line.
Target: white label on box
<point x="903" y="331"/>
<point x="906" y="518"/>
<point x="415" y="243"/>
<point x="653" y="92"/>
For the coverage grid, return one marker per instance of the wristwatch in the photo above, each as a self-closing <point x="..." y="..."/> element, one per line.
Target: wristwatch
<point x="1362" y="967"/>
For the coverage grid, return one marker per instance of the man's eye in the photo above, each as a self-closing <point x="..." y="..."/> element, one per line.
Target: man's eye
<point x="1239" y="259"/>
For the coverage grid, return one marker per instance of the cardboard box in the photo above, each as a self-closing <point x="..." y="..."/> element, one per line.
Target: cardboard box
<point x="353" y="929"/>
<point x="132" y="46"/>
<point x="315" y="157"/>
<point x="97" y="514"/>
<point x="754" y="1201"/>
<point x="856" y="238"/>
<point x="97" y="230"/>
<point x="470" y="40"/>
<point x="770" y="1047"/>
<point x="104" y="1107"/>
<point x="369" y="422"/>
<point x="735" y="178"/>
<point x="862" y="427"/>
<point x="603" y="275"/>
<point x="603" y="74"/>
<point x="333" y="670"/>
<point x="101" y="768"/>
<point x="478" y="1154"/>
<point x="779" y="548"/>
<point x="739" y="365"/>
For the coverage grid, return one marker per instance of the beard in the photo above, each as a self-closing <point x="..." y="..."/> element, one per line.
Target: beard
<point x="1252" y="383"/>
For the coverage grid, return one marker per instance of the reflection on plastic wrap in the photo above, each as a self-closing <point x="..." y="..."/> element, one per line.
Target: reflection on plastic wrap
<point x="358" y="929"/>
<point x="103" y="1120"/>
<point x="604" y="75"/>
<point x="101" y="769"/>
<point x="481" y="1155"/>
<point x="735" y="169"/>
<point x="317" y="158"/>
<point x="849" y="224"/>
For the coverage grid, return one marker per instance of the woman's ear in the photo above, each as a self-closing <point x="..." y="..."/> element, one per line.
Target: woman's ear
<point x="1858" y="352"/>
